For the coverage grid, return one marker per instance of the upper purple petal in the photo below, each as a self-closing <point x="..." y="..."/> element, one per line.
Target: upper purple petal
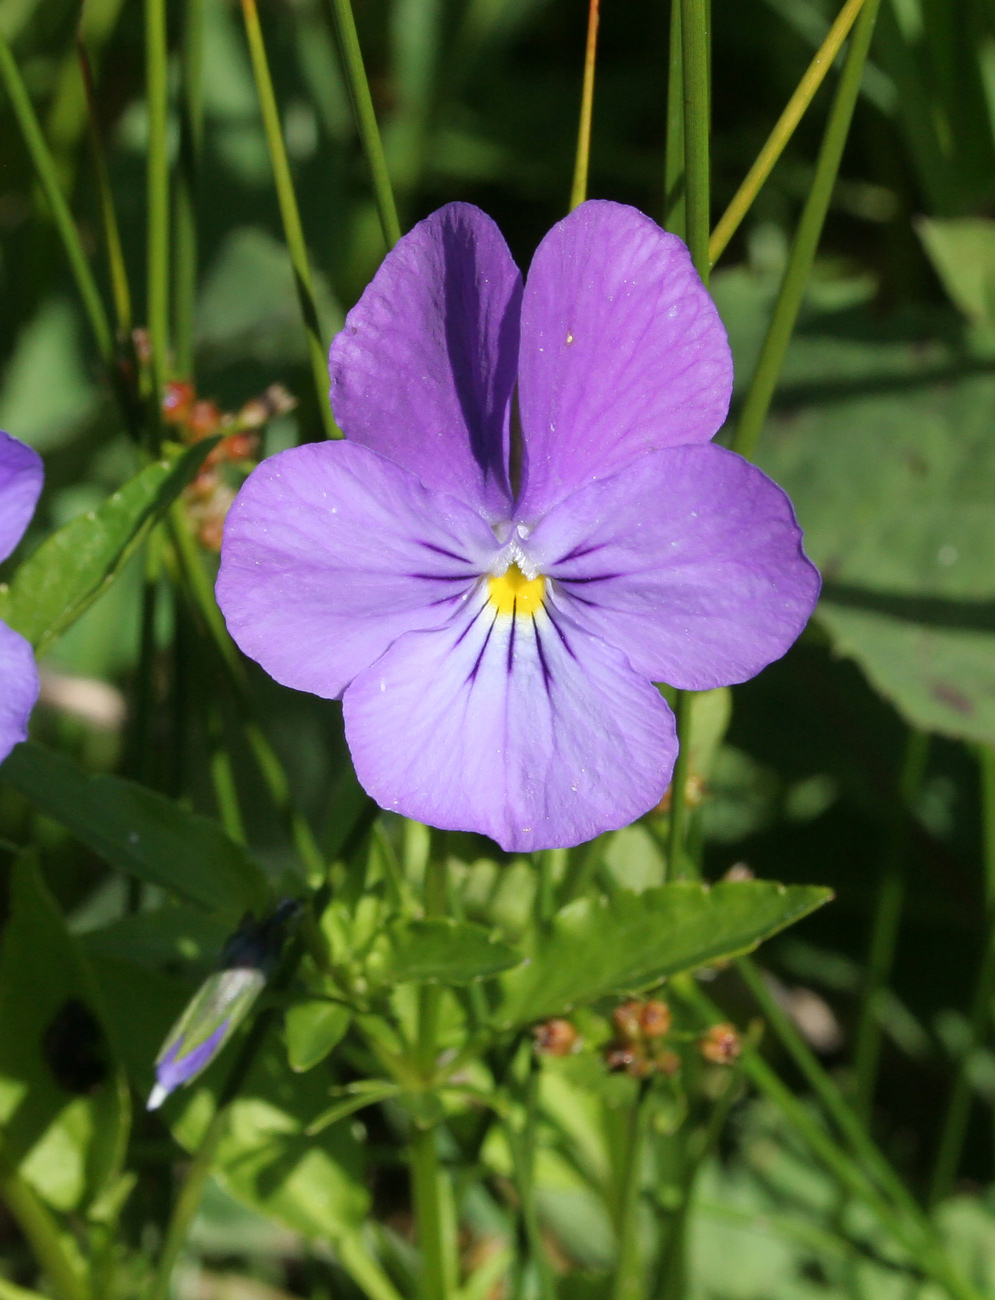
<point x="622" y="352"/>
<point x="332" y="551"/>
<point x="424" y="370"/>
<point x="18" y="688"/>
<point x="524" y="729"/>
<point x="20" y="486"/>
<point x="689" y="560"/>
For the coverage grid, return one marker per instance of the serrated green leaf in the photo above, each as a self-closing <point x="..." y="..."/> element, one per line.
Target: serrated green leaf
<point x="598" y="947"/>
<point x="313" y="1028"/>
<point x="75" y="565"/>
<point x="440" y="950"/>
<point x="142" y="833"/>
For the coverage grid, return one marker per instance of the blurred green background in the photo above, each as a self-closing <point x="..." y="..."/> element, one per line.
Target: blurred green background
<point x="883" y="432"/>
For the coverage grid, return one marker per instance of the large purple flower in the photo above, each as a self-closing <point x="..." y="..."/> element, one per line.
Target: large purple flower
<point x="20" y="487"/>
<point x="492" y="587"/>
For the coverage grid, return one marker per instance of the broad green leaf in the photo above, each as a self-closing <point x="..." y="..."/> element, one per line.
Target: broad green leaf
<point x="313" y="1028"/>
<point x="963" y="252"/>
<point x="73" y="566"/>
<point x="598" y="947"/>
<point x="142" y="833"/>
<point x="64" y="1102"/>
<point x="440" y="950"/>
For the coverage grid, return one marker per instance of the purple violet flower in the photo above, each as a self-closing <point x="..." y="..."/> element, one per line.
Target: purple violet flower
<point x="491" y="587"/>
<point x="20" y="486"/>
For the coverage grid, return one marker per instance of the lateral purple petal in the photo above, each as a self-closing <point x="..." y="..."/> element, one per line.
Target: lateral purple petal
<point x="20" y="486"/>
<point x="331" y="552"/>
<point x="622" y="352"/>
<point x="424" y="370"/>
<point x="18" y="688"/>
<point x="524" y="730"/>
<point x="690" y="561"/>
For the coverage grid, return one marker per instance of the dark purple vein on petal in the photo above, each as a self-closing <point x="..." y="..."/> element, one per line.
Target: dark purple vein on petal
<point x="546" y="675"/>
<point x="474" y="670"/>
<point x="511" y="638"/>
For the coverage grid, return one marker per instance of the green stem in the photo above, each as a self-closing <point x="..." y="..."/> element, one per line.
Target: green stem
<point x="44" y="165"/>
<point x="425" y="1176"/>
<point x="120" y="290"/>
<point x="157" y="190"/>
<point x="887" y="919"/>
<point x="959" y="1106"/>
<point x="223" y="778"/>
<point x="578" y="191"/>
<point x="792" y="290"/>
<point x="678" y="863"/>
<point x="674" y="198"/>
<point x="192" y="130"/>
<point x="293" y="231"/>
<point x="697" y="120"/>
<point x="523" y="1155"/>
<point x="41" y="1230"/>
<point x="366" y="119"/>
<point x="783" y="131"/>
<point x="11" y="1291"/>
<point x="628" y="1271"/>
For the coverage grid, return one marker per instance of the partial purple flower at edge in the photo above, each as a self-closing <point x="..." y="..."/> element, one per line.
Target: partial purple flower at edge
<point x="21" y="477"/>
<point x="493" y="628"/>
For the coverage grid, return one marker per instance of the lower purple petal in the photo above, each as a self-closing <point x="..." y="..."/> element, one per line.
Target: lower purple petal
<point x="18" y="688"/>
<point x="689" y="560"/>
<point x="523" y="729"/>
<point x="331" y="551"/>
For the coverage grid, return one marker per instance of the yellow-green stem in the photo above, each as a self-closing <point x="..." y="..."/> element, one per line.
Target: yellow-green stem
<point x="674" y="198"/>
<point x="41" y="1231"/>
<point x="157" y="190"/>
<point x="578" y="191"/>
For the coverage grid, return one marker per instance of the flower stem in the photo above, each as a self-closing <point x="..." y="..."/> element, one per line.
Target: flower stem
<point x="523" y="1154"/>
<point x="293" y="231"/>
<point x="789" y="298"/>
<point x="366" y="119"/>
<point x="578" y="191"/>
<point x="887" y="919"/>
<point x="697" y="122"/>
<point x="191" y="134"/>
<point x="959" y="1106"/>
<point x="674" y="197"/>
<point x="44" y="165"/>
<point x="783" y="130"/>
<point x="678" y="863"/>
<point x="157" y="191"/>
<point x="41" y="1230"/>
<point x="628" y="1273"/>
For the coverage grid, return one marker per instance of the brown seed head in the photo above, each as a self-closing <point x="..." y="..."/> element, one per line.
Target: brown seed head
<point x="721" y="1045"/>
<point x="176" y="401"/>
<point x="554" y="1037"/>
<point x="655" y="1018"/>
<point x="628" y="1022"/>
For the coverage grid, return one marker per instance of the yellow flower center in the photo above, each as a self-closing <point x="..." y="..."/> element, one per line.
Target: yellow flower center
<point x="513" y="593"/>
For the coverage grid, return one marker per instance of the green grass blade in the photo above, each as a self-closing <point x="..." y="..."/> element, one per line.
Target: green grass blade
<point x="366" y="119"/>
<point x="697" y="121"/>
<point x="674" y="198"/>
<point x="157" y="189"/>
<point x="789" y="298"/>
<point x="44" y="164"/>
<point x="578" y="191"/>
<point x="289" y="212"/>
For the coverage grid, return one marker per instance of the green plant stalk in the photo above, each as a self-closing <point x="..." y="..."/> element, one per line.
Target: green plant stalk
<point x="293" y="231"/>
<point x="11" y="1291"/>
<point x="873" y="1167"/>
<point x="697" y="123"/>
<point x="954" y="1130"/>
<point x="45" y="167"/>
<point x="120" y="291"/>
<point x="223" y="778"/>
<point x="270" y="767"/>
<point x="191" y="138"/>
<point x="578" y="191"/>
<point x="678" y="862"/>
<point x="157" y="190"/>
<point x="627" y="1284"/>
<point x="887" y="919"/>
<point x="783" y="131"/>
<point x="806" y="241"/>
<point x="523" y="1154"/>
<point x="674" y="198"/>
<point x="344" y="23"/>
<point x="41" y="1231"/>
<point x="363" y="1268"/>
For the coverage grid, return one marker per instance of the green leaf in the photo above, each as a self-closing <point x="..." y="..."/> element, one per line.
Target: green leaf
<point x="962" y="251"/>
<point x="75" y="565"/>
<point x="64" y="1102"/>
<point x="442" y="951"/>
<point x="313" y="1028"/>
<point x="598" y="947"/>
<point x="142" y="833"/>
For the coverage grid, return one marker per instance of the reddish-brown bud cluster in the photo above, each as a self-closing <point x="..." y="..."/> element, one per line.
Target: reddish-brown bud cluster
<point x="720" y="1045"/>
<point x="210" y="495"/>
<point x="638" y="1050"/>
<point x="555" y="1037"/>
